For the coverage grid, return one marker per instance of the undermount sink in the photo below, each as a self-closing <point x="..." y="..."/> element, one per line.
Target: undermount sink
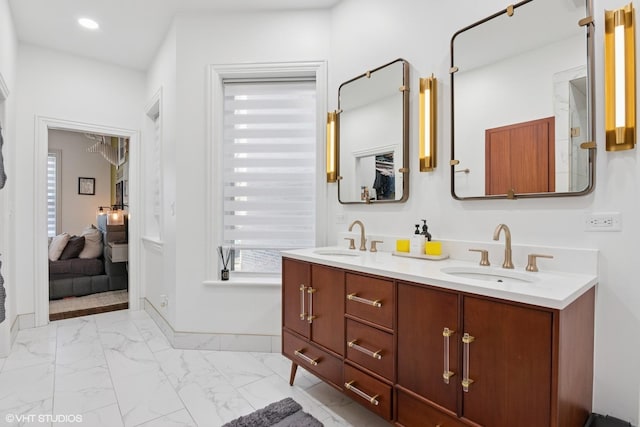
<point x="489" y="274"/>
<point x="336" y="252"/>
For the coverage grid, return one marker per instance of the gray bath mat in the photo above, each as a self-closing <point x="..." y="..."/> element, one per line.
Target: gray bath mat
<point x="285" y="413"/>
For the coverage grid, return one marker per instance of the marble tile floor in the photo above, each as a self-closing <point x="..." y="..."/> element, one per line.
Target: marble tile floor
<point x="117" y="369"/>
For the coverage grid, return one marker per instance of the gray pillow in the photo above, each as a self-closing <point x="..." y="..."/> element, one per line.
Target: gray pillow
<point x="73" y="248"/>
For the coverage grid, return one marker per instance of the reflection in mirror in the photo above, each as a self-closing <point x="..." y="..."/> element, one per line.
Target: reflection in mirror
<point x="373" y="136"/>
<point x="521" y="109"/>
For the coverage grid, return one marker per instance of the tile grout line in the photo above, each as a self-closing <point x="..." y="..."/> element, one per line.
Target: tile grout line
<point x="184" y="406"/>
<point x="108" y="367"/>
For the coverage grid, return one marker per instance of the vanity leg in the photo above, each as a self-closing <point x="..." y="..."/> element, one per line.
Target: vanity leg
<point x="294" y="368"/>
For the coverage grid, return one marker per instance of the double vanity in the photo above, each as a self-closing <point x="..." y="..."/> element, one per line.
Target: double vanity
<point x="442" y="343"/>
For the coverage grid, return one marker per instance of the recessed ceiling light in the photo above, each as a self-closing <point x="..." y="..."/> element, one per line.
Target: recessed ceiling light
<point x="88" y="23"/>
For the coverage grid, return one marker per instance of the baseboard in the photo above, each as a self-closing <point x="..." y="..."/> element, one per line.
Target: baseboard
<point x="26" y="321"/>
<point x="88" y="311"/>
<point x="211" y="341"/>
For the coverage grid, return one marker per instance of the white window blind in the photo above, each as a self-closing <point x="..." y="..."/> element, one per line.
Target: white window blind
<point x="269" y="172"/>
<point x="53" y="180"/>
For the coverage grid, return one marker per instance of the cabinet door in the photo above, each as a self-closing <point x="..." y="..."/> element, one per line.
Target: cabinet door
<point x="326" y="308"/>
<point x="296" y="280"/>
<point x="509" y="362"/>
<point x="423" y="315"/>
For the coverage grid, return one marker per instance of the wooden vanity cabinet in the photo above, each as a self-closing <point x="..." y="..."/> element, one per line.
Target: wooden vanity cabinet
<point x="513" y="364"/>
<point x="313" y="318"/>
<point x="428" y="356"/>
<point x="509" y="351"/>
<point x="369" y="370"/>
<point x="428" y="344"/>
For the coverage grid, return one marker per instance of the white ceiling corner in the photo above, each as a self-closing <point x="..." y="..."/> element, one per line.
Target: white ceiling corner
<point x="131" y="31"/>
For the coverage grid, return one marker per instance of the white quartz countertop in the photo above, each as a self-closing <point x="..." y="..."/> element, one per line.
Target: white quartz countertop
<point x="549" y="289"/>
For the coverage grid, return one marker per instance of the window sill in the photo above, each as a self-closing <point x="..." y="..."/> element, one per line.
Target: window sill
<point x="246" y="281"/>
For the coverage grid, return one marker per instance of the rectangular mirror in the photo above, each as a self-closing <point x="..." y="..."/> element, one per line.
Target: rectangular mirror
<point x="373" y="136"/>
<point x="522" y="120"/>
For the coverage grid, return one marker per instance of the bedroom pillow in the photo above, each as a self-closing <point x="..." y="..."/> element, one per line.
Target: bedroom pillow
<point x="57" y="245"/>
<point x="73" y="248"/>
<point x="92" y="243"/>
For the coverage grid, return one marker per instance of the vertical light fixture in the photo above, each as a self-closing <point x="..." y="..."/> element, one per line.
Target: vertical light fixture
<point x="427" y="132"/>
<point x="620" y="78"/>
<point x="332" y="118"/>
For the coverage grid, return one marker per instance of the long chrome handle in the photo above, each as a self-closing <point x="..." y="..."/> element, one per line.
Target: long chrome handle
<point x="466" y="381"/>
<point x="371" y="399"/>
<point x="356" y="298"/>
<point x="374" y="354"/>
<point x="310" y="292"/>
<point x="447" y="374"/>
<point x="303" y="314"/>
<point x="307" y="359"/>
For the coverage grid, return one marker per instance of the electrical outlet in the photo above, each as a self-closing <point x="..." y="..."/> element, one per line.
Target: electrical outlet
<point x="605" y="221"/>
<point x="341" y="218"/>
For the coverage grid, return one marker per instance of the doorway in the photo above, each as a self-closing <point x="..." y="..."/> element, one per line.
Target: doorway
<point x="86" y="223"/>
<point x="44" y="125"/>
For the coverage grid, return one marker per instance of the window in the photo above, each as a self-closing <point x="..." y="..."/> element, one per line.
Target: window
<point x="269" y="170"/>
<point x="53" y="192"/>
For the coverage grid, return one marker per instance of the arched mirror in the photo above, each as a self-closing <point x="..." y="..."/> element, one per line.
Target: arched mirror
<point x="522" y="102"/>
<point x="373" y="136"/>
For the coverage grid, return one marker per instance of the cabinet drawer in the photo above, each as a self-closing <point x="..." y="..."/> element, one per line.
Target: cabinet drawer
<point x="414" y="412"/>
<point x="370" y="299"/>
<point x="369" y="392"/>
<point x="371" y="348"/>
<point x="312" y="358"/>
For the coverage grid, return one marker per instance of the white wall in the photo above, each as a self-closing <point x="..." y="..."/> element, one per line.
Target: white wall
<point x="159" y="269"/>
<point x="8" y="55"/>
<point x="64" y="87"/>
<point x="78" y="210"/>
<point x="203" y="40"/>
<point x="420" y="32"/>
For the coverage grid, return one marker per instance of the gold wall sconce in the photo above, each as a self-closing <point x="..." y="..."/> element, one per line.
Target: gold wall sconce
<point x="620" y="78"/>
<point x="332" y="133"/>
<point x="427" y="134"/>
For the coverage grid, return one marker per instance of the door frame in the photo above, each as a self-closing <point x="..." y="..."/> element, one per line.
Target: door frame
<point x="40" y="259"/>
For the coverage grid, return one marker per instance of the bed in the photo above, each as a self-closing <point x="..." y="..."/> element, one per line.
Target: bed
<point x="80" y="265"/>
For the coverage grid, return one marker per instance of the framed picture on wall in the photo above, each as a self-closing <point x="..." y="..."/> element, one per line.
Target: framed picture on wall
<point x="123" y="148"/>
<point x="87" y="186"/>
<point x="119" y="195"/>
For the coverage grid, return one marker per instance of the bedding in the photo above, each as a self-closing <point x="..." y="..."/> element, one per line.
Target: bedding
<point x="73" y="248"/>
<point x="57" y="246"/>
<point x="79" y="265"/>
<point x="74" y="267"/>
<point x="92" y="243"/>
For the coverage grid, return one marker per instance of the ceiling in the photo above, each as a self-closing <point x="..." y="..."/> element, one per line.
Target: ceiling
<point x="131" y="31"/>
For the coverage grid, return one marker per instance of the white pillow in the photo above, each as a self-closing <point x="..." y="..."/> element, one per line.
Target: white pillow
<point x="92" y="243"/>
<point x="57" y="246"/>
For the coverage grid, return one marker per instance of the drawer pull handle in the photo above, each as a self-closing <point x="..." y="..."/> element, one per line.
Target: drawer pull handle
<point x="466" y="381"/>
<point x="447" y="374"/>
<point x="311" y="291"/>
<point x="313" y="362"/>
<point x="374" y="354"/>
<point x="356" y="298"/>
<point x="303" y="314"/>
<point x="373" y="400"/>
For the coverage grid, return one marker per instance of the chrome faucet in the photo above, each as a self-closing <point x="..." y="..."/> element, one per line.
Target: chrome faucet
<point x="508" y="263"/>
<point x="363" y="240"/>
